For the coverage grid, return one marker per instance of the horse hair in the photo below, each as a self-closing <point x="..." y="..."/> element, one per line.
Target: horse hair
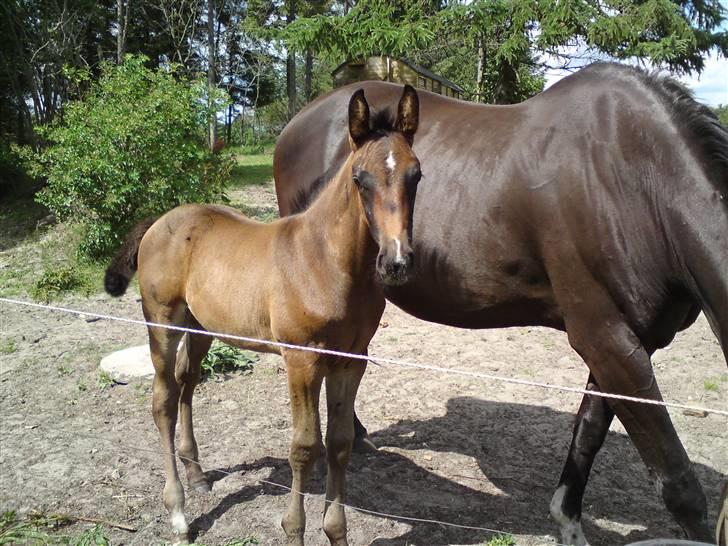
<point x="697" y="118"/>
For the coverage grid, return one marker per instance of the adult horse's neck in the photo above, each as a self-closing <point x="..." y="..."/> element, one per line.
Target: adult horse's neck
<point x="337" y="223"/>
<point x="701" y="238"/>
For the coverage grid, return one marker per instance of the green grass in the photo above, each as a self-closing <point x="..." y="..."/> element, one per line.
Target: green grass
<point x="18" y="219"/>
<point x="222" y="359"/>
<point x="251" y="170"/>
<point x="501" y="540"/>
<point x="711" y="385"/>
<point x="36" y="530"/>
<point x="8" y="347"/>
<point x="248" y="541"/>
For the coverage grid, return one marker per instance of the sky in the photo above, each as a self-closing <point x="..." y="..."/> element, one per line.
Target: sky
<point x="710" y="87"/>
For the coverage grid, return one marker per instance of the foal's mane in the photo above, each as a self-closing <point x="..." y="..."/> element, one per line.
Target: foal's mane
<point x="381" y="123"/>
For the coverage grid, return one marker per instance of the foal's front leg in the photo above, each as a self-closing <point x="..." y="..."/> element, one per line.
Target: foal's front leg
<point x="341" y="386"/>
<point x="305" y="376"/>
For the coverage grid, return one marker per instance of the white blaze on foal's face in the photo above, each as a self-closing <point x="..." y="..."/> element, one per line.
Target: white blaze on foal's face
<point x="391" y="162"/>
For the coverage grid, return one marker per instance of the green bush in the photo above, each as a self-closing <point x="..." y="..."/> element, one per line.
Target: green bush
<point x="131" y="148"/>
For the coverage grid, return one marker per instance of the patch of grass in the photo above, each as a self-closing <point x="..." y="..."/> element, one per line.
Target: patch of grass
<point x="248" y="541"/>
<point x="262" y="214"/>
<point x="19" y="218"/>
<point x="64" y="370"/>
<point x="105" y="380"/>
<point x="251" y="170"/>
<point x="711" y="385"/>
<point x="222" y="359"/>
<point x="501" y="540"/>
<point x="35" y="530"/>
<point x="91" y="537"/>
<point x="56" y="281"/>
<point x="8" y="347"/>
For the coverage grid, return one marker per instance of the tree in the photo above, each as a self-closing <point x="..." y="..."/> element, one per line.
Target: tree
<point x="510" y="36"/>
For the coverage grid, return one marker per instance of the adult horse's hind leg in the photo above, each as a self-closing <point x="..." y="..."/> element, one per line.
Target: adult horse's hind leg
<point x="591" y="427"/>
<point x="304" y="387"/>
<point x="165" y="398"/>
<point x="187" y="372"/>
<point x="341" y="386"/>
<point x="621" y="365"/>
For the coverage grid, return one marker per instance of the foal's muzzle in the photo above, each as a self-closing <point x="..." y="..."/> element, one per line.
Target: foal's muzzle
<point x="394" y="262"/>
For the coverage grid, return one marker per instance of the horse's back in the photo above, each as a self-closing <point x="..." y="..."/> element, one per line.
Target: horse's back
<point x="567" y="177"/>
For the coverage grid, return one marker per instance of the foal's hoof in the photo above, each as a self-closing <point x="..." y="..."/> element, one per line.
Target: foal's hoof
<point x="201" y="486"/>
<point x="363" y="444"/>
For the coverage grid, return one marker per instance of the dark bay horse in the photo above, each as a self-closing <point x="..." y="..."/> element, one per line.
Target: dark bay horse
<point x="307" y="279"/>
<point x="599" y="207"/>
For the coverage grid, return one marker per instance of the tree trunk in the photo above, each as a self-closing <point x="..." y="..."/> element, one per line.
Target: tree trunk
<point x="308" y="76"/>
<point x="480" y="81"/>
<point x="212" y="128"/>
<point x="122" y="18"/>
<point x="291" y="66"/>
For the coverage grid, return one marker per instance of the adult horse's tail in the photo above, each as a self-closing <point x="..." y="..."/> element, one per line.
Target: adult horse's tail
<point x="124" y="264"/>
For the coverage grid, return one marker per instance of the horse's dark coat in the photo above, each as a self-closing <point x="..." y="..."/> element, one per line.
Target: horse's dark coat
<point x="599" y="207"/>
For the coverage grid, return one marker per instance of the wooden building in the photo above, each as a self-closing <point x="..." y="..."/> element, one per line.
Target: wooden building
<point x="390" y="69"/>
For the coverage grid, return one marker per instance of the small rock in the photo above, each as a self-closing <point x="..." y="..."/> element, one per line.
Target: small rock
<point x="695" y="413"/>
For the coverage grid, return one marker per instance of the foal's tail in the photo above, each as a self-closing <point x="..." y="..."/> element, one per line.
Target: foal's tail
<point x="124" y="264"/>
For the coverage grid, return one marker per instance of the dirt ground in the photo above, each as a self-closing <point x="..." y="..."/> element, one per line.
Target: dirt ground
<point x="453" y="448"/>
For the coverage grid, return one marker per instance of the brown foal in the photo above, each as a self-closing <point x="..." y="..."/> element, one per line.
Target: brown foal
<point x="311" y="279"/>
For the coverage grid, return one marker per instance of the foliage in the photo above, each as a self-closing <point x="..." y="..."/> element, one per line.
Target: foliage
<point x="127" y="151"/>
<point x="56" y="281"/>
<point x="8" y="347"/>
<point x="34" y="530"/>
<point x="722" y="112"/>
<point x="222" y="359"/>
<point x="501" y="540"/>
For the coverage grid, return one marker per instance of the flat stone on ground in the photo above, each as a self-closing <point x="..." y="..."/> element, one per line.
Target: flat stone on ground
<point x="128" y="363"/>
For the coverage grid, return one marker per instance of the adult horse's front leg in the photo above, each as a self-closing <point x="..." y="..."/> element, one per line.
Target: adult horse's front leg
<point x="305" y="376"/>
<point x="591" y="427"/>
<point x="341" y="386"/>
<point x="621" y="365"/>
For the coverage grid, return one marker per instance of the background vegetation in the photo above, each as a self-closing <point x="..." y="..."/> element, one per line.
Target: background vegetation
<point x="113" y="110"/>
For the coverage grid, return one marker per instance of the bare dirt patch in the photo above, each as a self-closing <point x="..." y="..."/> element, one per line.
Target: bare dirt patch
<point x="453" y="448"/>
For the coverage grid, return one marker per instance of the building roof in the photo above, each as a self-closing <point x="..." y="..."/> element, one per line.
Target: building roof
<point x="413" y="66"/>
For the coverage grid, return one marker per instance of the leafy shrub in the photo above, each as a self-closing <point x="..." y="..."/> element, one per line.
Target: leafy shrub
<point x="56" y="281"/>
<point x="131" y="148"/>
<point x="222" y="359"/>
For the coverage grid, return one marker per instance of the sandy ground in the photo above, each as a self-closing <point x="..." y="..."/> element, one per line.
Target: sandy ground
<point x="453" y="448"/>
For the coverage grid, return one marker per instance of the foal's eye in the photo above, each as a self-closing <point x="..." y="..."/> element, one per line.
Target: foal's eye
<point x="356" y="180"/>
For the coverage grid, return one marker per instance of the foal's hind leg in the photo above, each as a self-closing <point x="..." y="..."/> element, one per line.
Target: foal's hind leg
<point x="165" y="398"/>
<point x="621" y="365"/>
<point x="341" y="386"/>
<point x="591" y="427"/>
<point x="187" y="373"/>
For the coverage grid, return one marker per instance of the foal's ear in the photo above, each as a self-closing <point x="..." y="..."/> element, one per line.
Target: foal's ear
<point x="358" y="119"/>
<point x="408" y="113"/>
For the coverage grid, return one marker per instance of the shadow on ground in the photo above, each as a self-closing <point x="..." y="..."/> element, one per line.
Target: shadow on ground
<point x="518" y="448"/>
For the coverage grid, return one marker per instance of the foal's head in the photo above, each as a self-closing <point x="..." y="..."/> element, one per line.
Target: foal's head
<point x="386" y="171"/>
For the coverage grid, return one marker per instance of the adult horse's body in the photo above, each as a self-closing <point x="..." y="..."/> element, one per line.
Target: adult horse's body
<point x="305" y="280"/>
<point x="599" y="207"/>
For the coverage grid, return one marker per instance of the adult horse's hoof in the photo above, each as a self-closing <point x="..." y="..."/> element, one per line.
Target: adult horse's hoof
<point x="201" y="486"/>
<point x="363" y="444"/>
